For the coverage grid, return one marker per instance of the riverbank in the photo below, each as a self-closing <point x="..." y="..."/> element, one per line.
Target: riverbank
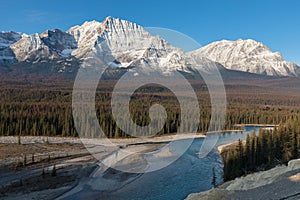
<point x="73" y="162"/>
<point x="281" y="182"/>
<point x="225" y="147"/>
<point x="77" y="140"/>
<point x="257" y="125"/>
<point x="27" y="169"/>
<point x="108" y="181"/>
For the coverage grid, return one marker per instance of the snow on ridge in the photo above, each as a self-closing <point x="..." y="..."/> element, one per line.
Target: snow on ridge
<point x="249" y="56"/>
<point x="129" y="44"/>
<point x="66" y="52"/>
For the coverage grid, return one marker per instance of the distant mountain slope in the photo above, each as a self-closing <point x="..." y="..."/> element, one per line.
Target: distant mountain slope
<point x="248" y="56"/>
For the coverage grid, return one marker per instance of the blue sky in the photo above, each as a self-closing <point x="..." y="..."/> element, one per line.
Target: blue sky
<point x="275" y="23"/>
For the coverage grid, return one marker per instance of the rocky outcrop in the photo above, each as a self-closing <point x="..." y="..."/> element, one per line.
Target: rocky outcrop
<point x="277" y="183"/>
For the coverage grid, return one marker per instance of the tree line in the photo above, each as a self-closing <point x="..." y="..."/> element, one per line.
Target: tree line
<point x="48" y="111"/>
<point x="263" y="151"/>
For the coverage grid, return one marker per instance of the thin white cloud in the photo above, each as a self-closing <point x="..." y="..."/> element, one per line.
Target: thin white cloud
<point x="33" y="16"/>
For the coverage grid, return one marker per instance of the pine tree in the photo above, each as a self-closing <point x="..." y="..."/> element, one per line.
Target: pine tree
<point x="294" y="145"/>
<point x="43" y="172"/>
<point x="240" y="150"/>
<point x="214" y="178"/>
<point x="25" y="160"/>
<point x="53" y="171"/>
<point x="19" y="140"/>
<point x="248" y="153"/>
<point x="253" y="150"/>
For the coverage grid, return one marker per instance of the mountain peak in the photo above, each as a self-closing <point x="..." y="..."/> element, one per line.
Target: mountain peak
<point x="88" y="24"/>
<point x="124" y="43"/>
<point x="113" y="34"/>
<point x="109" y="18"/>
<point x="94" y="23"/>
<point x="49" y="32"/>
<point x="249" y="56"/>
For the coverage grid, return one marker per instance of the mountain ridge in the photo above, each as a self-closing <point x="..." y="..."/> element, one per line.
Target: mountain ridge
<point x="128" y="45"/>
<point x="249" y="56"/>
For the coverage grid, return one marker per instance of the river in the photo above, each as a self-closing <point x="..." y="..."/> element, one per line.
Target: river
<point x="189" y="174"/>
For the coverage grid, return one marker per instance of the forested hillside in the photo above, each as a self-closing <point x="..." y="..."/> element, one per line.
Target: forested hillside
<point x="262" y="152"/>
<point x="44" y="108"/>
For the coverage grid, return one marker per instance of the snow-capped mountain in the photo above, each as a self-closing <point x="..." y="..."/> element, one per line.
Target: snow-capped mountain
<point x="125" y="45"/>
<point x="249" y="56"/>
<point x="117" y="36"/>
<point x="48" y="45"/>
<point x="6" y="39"/>
<point x="30" y="48"/>
<point x="118" y="42"/>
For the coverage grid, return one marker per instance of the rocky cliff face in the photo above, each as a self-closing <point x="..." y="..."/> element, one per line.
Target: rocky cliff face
<point x="31" y="48"/>
<point x="60" y="42"/>
<point x="7" y="56"/>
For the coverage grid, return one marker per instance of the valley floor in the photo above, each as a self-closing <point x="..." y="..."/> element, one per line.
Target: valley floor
<point x="22" y="178"/>
<point x="74" y="164"/>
